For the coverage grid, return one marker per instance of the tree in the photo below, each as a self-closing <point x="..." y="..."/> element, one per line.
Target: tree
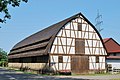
<point x="4" y="8"/>
<point x="3" y="57"/>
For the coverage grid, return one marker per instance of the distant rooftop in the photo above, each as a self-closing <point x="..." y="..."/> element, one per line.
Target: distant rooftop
<point x="111" y="45"/>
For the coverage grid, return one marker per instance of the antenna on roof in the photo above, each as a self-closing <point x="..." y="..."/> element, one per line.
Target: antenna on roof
<point x="98" y="21"/>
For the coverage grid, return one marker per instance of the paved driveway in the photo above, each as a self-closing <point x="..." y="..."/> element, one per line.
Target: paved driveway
<point x="6" y="74"/>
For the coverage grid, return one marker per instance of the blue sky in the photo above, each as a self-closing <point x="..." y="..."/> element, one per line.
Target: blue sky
<point x="36" y="15"/>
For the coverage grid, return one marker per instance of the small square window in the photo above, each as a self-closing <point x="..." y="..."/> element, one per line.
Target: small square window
<point x="79" y="27"/>
<point x="60" y="58"/>
<point x="97" y="59"/>
<point x="114" y="54"/>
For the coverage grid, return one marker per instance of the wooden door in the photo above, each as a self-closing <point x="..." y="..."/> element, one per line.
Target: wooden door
<point x="79" y="64"/>
<point x="79" y="46"/>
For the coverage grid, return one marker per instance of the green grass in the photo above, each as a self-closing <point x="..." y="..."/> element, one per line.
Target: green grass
<point x="115" y="79"/>
<point x="28" y="72"/>
<point x="102" y="74"/>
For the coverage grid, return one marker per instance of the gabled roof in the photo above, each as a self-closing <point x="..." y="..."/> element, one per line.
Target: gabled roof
<point x="40" y="42"/>
<point x="111" y="45"/>
<point x="106" y="39"/>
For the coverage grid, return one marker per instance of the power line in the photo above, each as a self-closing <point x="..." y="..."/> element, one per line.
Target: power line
<point x="98" y="21"/>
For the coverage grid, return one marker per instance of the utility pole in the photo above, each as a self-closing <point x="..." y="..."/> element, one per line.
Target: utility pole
<point x="98" y="21"/>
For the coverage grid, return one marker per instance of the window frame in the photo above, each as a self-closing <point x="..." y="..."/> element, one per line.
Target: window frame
<point x="60" y="59"/>
<point x="79" y="26"/>
<point x="97" y="59"/>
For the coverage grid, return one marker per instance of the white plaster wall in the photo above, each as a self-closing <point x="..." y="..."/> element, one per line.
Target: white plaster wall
<point x="97" y="51"/>
<point x="61" y="50"/>
<point x="94" y="36"/>
<point x="73" y="43"/>
<point x="91" y="66"/>
<point x="75" y="26"/>
<point x="92" y="59"/>
<point x="79" y="34"/>
<point x="63" y="40"/>
<point x="52" y="49"/>
<point x="103" y="51"/>
<point x="72" y="50"/>
<point x="54" y="62"/>
<point x="94" y="65"/>
<point x="67" y="26"/>
<point x="60" y="66"/>
<point x="91" y="29"/>
<point x="76" y="34"/>
<point x="68" y="48"/>
<point x="59" y="41"/>
<point x="90" y="35"/>
<point x="72" y="34"/>
<point x="101" y="59"/>
<point x="86" y="35"/>
<point x="95" y="43"/>
<point x="55" y="58"/>
<point x="79" y="20"/>
<point x="59" y="33"/>
<point x="89" y="43"/>
<point x="66" y="59"/>
<point x="63" y="33"/>
<point x="84" y="27"/>
<point x="69" y="41"/>
<point x="55" y="41"/>
<point x="68" y="33"/>
<point x="87" y="51"/>
<point x="102" y="65"/>
<point x="68" y="67"/>
<point x="55" y="51"/>
<point x="55" y="67"/>
<point x="115" y="63"/>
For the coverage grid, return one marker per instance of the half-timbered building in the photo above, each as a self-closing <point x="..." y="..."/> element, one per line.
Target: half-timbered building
<point x="73" y="44"/>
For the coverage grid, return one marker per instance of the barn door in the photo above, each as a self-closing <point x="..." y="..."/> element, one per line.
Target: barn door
<point x="79" y="64"/>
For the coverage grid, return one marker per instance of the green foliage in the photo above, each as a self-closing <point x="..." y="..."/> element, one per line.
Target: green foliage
<point x="3" y="55"/>
<point x="3" y="58"/>
<point x="4" y="8"/>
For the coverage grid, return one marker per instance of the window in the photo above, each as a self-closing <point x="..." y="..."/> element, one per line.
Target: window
<point x="79" y="46"/>
<point x="33" y="59"/>
<point x="79" y="27"/>
<point x="42" y="59"/>
<point x="20" y="60"/>
<point x="60" y="59"/>
<point x="97" y="59"/>
<point x="114" y="54"/>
